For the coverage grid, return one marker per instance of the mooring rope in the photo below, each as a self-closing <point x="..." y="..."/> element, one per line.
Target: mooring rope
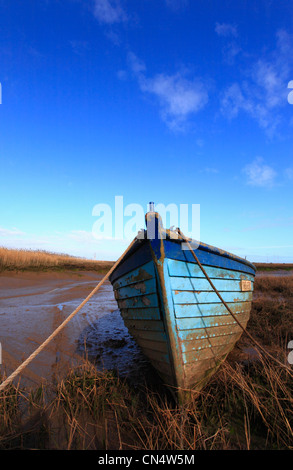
<point x="60" y="327"/>
<point x="261" y="349"/>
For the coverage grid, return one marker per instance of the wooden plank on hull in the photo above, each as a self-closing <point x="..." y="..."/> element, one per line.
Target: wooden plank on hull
<point x="215" y="352"/>
<point x="159" y="336"/>
<point x="147" y="344"/>
<point x="210" y="322"/>
<point x="145" y="313"/>
<point x="187" y="297"/>
<point x="199" y="284"/>
<point x="144" y="272"/>
<point x="202" y="343"/>
<point x="136" y="289"/>
<point x="145" y="325"/>
<point x="150" y="300"/>
<point x="217" y="308"/>
<point x="186" y="269"/>
<point x="198" y="371"/>
<point x="202" y="333"/>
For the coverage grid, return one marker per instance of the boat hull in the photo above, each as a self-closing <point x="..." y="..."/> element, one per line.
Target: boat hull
<point x="171" y="310"/>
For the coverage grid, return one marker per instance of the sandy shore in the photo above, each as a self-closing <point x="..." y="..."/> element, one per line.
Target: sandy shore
<point x="34" y="304"/>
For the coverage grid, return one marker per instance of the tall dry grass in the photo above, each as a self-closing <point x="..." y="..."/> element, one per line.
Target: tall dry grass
<point x="243" y="407"/>
<point x="271" y="317"/>
<point x="11" y="260"/>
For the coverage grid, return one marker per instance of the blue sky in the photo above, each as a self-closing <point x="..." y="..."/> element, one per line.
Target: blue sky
<point x="172" y="101"/>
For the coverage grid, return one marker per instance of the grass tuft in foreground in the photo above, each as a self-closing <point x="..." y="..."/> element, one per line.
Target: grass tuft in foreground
<point x="243" y="407"/>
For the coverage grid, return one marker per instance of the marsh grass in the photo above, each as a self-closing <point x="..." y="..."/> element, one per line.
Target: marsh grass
<point x="30" y="260"/>
<point x="272" y="308"/>
<point x="274" y="266"/>
<point x="248" y="404"/>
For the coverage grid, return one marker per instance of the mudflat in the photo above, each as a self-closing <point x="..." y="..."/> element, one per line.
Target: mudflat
<point x="34" y="304"/>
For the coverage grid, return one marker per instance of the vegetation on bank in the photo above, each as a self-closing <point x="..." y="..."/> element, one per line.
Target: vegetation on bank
<point x="248" y="404"/>
<point x="274" y="266"/>
<point x="30" y="260"/>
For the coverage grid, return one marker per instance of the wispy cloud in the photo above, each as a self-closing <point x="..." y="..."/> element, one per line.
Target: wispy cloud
<point x="109" y="11"/>
<point x="259" y="174"/>
<point x="178" y="96"/>
<point x="209" y="170"/>
<point x="263" y="91"/>
<point x="289" y="173"/>
<point x="230" y="52"/>
<point x="269" y="224"/>
<point x="81" y="236"/>
<point x="226" y="30"/>
<point x="4" y="232"/>
<point x="74" y="242"/>
<point x="79" y="47"/>
<point x="200" y="142"/>
<point x="136" y="65"/>
<point x="233" y="101"/>
<point x="176" y="4"/>
<point x="229" y="34"/>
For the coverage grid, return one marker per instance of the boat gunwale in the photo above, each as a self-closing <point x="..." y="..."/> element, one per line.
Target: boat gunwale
<point x="201" y="246"/>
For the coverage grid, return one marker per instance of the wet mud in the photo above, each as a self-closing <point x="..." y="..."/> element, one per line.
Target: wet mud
<point x="33" y="305"/>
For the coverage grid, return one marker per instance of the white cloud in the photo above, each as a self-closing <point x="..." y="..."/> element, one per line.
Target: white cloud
<point x="226" y="29"/>
<point x="269" y="77"/>
<point x="259" y="174"/>
<point x="263" y="92"/>
<point x="137" y="66"/>
<point x="179" y="97"/>
<point x="231" y="49"/>
<point x="233" y="101"/>
<point x="109" y="11"/>
<point x="4" y="232"/>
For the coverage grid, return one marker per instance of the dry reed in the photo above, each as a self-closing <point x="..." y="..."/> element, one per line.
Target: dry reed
<point x="30" y="260"/>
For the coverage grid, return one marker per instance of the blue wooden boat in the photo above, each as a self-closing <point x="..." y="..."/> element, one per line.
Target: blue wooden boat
<point x="171" y="310"/>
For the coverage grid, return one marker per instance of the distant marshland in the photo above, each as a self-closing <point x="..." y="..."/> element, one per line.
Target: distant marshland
<point x="37" y="260"/>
